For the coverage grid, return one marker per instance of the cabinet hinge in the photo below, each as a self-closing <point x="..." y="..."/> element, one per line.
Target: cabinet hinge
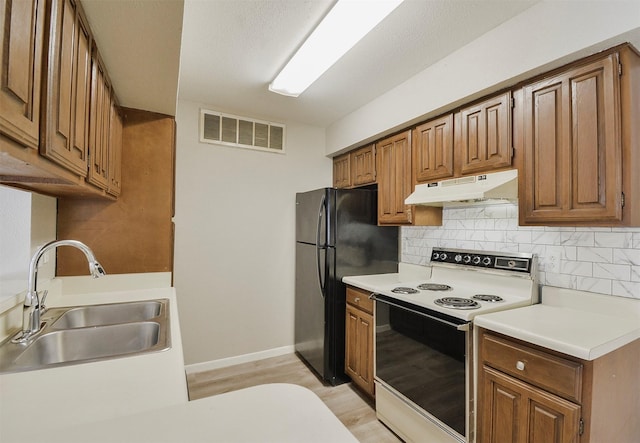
<point x="513" y="102"/>
<point x="619" y="69"/>
<point x="622" y="200"/>
<point x="581" y="426"/>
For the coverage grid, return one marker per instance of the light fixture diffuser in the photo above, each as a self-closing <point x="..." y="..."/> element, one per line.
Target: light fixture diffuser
<point x="344" y="26"/>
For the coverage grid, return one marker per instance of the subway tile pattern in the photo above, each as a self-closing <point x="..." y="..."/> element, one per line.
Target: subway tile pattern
<point x="602" y="260"/>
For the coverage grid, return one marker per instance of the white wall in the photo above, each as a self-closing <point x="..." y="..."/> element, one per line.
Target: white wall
<point x="235" y="245"/>
<point x="603" y="260"/>
<point x="547" y="35"/>
<point x="27" y="220"/>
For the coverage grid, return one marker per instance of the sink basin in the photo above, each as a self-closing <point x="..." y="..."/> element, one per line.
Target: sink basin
<point x="74" y="345"/>
<point x="109" y="314"/>
<point x="80" y="334"/>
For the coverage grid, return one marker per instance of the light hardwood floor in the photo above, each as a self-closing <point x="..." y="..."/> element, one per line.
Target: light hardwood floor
<point x="352" y="408"/>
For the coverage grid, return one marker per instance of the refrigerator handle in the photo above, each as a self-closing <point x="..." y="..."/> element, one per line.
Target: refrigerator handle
<point x="320" y="245"/>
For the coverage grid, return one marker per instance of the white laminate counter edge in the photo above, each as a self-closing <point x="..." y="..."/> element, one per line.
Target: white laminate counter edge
<point x="576" y="323"/>
<point x="283" y="413"/>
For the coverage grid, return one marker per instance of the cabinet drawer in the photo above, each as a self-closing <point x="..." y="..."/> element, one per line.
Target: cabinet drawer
<point x="554" y="374"/>
<point x="358" y="297"/>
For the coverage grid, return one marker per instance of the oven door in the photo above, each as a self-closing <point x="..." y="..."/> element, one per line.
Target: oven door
<point x="425" y="357"/>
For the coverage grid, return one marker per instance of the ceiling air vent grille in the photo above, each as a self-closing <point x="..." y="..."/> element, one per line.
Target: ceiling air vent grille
<point x="242" y="132"/>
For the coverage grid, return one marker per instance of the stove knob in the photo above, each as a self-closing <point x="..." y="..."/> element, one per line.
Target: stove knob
<point x="486" y="261"/>
<point x="436" y="256"/>
<point x="476" y="260"/>
<point x="443" y="256"/>
<point x="458" y="258"/>
<point x="467" y="259"/>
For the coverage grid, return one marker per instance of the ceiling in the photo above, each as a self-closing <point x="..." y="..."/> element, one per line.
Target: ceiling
<point x="228" y="51"/>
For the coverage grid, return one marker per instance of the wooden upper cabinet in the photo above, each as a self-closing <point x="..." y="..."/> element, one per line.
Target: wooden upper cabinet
<point x="342" y="171"/>
<point x="395" y="182"/>
<point x="115" y="151"/>
<point x="433" y="149"/>
<point x="22" y="39"/>
<point x="66" y="122"/>
<point x="572" y="168"/>
<point x="363" y="165"/>
<point x="99" y="127"/>
<point x="484" y="142"/>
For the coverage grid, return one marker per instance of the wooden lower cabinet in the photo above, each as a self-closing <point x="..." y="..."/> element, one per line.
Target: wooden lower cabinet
<point x="517" y="412"/>
<point x="359" y="339"/>
<point x="530" y="394"/>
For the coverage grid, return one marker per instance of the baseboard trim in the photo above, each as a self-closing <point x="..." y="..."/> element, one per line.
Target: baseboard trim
<point x="230" y="361"/>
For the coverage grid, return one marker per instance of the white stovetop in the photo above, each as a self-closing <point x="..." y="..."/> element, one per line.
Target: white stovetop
<point x="515" y="291"/>
<point x="578" y="323"/>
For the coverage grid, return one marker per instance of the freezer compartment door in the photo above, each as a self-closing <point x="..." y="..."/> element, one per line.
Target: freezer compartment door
<point x="310" y="322"/>
<point x="311" y="216"/>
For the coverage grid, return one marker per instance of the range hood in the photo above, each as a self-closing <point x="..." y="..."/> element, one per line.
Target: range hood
<point x="495" y="187"/>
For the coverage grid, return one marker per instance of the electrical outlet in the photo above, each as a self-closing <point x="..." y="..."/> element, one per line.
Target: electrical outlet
<point x="45" y="258"/>
<point x="552" y="263"/>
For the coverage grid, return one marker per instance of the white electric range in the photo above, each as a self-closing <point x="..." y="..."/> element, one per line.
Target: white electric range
<point x="424" y="340"/>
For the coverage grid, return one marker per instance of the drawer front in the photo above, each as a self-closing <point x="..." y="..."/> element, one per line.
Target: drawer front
<point x="560" y="376"/>
<point x="358" y="297"/>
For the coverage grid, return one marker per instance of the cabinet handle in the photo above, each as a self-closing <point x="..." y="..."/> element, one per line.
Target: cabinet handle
<point x="357" y="300"/>
<point x="520" y="366"/>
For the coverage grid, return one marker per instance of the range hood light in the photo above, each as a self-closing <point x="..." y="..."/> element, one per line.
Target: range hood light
<point x="484" y="189"/>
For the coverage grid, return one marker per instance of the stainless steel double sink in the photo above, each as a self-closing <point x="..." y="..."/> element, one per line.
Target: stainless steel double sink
<point x="80" y="334"/>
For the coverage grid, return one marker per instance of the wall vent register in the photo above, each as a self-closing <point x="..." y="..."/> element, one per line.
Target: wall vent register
<point x="242" y="132"/>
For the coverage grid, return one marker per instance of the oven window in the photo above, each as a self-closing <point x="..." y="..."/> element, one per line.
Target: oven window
<point x="424" y="360"/>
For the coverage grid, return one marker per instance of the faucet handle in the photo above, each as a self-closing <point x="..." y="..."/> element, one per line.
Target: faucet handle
<point x="41" y="306"/>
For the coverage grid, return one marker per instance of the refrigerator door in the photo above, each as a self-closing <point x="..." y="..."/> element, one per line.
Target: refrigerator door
<point x="310" y="324"/>
<point x="311" y="216"/>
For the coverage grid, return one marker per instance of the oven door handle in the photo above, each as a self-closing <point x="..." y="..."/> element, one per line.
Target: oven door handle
<point x="462" y="327"/>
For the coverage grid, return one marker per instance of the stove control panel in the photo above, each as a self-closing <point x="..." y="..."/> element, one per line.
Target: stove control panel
<point x="515" y="262"/>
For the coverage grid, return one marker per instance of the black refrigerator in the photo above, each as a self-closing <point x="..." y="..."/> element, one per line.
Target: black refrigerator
<point x="336" y="235"/>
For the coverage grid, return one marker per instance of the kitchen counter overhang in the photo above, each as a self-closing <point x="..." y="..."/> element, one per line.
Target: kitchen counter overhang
<point x="577" y="323"/>
<point x="282" y="413"/>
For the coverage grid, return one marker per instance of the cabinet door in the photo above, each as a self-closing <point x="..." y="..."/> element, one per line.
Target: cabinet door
<point x="572" y="148"/>
<point x="359" y="348"/>
<point x="363" y="166"/>
<point x="485" y="135"/>
<point x="351" y="346"/>
<point x="99" y="128"/>
<point x="433" y="149"/>
<point x="68" y="88"/>
<point x="394" y="179"/>
<point x="514" y="411"/>
<point x="115" y="151"/>
<point x="21" y="42"/>
<point x="341" y="171"/>
<point x="365" y="347"/>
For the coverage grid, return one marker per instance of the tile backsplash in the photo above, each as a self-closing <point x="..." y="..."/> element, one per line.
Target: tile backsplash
<point x="602" y="260"/>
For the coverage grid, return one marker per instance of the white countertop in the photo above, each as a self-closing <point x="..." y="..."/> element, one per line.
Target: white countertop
<point x="271" y="413"/>
<point x="143" y="398"/>
<point x="406" y="272"/>
<point x="98" y="390"/>
<point x="577" y="323"/>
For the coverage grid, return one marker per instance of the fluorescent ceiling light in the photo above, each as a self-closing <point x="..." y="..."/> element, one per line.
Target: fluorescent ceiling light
<point x="343" y="27"/>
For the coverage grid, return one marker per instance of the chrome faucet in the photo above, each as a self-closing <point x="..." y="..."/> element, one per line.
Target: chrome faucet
<point x="33" y="305"/>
